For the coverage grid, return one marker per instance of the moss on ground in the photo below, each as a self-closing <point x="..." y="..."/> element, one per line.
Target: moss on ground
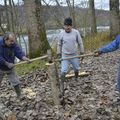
<point x="26" y="68"/>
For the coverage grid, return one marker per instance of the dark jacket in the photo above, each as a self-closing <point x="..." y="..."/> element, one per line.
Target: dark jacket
<point x="9" y="53"/>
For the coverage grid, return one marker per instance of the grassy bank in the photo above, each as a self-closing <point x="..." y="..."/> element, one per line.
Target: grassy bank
<point x="26" y="68"/>
<point x="94" y="42"/>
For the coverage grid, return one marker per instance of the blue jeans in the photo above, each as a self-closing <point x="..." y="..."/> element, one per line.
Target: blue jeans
<point x="65" y="64"/>
<point x="118" y="82"/>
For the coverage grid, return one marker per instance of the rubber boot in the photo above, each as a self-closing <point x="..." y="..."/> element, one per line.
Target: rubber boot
<point x="18" y="91"/>
<point x="76" y="75"/>
<point x="62" y="84"/>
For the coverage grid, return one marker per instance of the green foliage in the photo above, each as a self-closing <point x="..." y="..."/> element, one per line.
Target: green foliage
<point x="35" y="54"/>
<point x="26" y="68"/>
<point x="94" y="42"/>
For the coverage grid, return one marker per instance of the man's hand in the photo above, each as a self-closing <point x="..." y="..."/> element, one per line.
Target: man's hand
<point x="26" y="59"/>
<point x="97" y="53"/>
<point x="9" y="65"/>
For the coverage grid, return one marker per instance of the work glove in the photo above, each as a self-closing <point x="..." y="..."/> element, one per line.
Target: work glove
<point x="97" y="53"/>
<point x="9" y="65"/>
<point x="24" y="58"/>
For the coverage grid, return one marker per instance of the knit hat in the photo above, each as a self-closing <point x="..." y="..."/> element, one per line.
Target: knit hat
<point x="68" y="21"/>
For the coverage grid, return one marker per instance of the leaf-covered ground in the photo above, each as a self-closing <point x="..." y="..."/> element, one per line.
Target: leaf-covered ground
<point x="91" y="98"/>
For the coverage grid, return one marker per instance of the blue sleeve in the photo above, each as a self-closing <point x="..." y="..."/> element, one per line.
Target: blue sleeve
<point x="18" y="52"/>
<point x="2" y="60"/>
<point x="114" y="45"/>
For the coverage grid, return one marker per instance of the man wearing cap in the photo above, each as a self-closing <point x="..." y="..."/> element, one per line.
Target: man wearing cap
<point x="68" y="43"/>
<point x="8" y="51"/>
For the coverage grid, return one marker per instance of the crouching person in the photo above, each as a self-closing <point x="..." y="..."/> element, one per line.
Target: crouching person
<point x="8" y="51"/>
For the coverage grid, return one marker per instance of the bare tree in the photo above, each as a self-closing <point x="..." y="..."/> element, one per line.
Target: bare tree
<point x="2" y="29"/>
<point x="12" y="28"/>
<point x="56" y="11"/>
<point x="92" y="17"/>
<point x="7" y="15"/>
<point x="72" y="11"/>
<point x="114" y="18"/>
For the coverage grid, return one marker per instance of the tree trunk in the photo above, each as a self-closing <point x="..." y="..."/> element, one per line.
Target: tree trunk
<point x="38" y="43"/>
<point x="7" y="15"/>
<point x="92" y="17"/>
<point x="114" y="18"/>
<point x="1" y="27"/>
<point x="11" y="17"/>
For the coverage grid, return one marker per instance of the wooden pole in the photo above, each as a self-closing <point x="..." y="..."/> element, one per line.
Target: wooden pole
<point x="54" y="83"/>
<point x="39" y="58"/>
<point x="53" y="75"/>
<point x="56" y="60"/>
<point x="79" y="56"/>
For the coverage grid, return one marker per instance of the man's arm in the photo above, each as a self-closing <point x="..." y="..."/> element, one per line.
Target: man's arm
<point x="20" y="54"/>
<point x="114" y="45"/>
<point x="59" y="45"/>
<point x="80" y="42"/>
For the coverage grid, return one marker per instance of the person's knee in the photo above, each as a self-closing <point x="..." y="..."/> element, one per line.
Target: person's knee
<point x="76" y="67"/>
<point x="14" y="82"/>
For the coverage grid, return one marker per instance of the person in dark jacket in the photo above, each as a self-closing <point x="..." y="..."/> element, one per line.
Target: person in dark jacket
<point x="114" y="45"/>
<point x="8" y="51"/>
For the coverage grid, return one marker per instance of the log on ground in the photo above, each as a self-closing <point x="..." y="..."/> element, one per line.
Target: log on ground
<point x="81" y="74"/>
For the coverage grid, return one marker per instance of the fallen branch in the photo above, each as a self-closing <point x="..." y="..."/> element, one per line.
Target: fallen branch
<point x="81" y="74"/>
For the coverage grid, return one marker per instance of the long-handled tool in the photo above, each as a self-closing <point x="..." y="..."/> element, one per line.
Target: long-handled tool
<point x="78" y="56"/>
<point x="31" y="60"/>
